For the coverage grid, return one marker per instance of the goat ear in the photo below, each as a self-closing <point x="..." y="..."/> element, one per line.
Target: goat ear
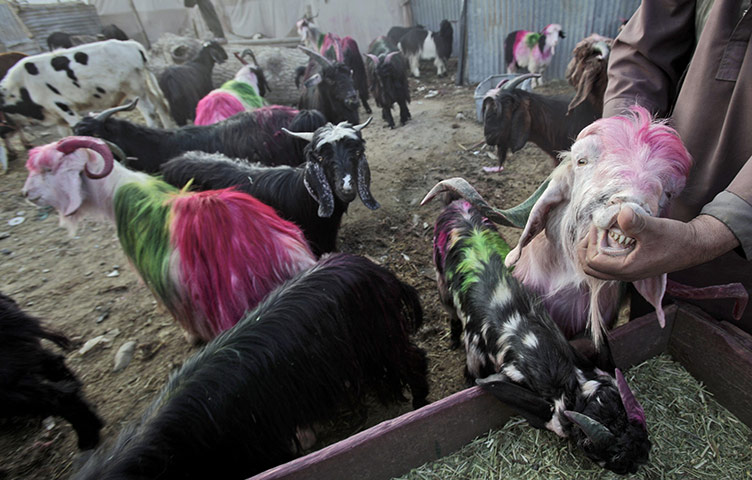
<point x="557" y="191"/>
<point x="312" y="81"/>
<point x="364" y="184"/>
<point x="536" y="410"/>
<point x="652" y="289"/>
<point x="520" y="130"/>
<point x="318" y="186"/>
<point x="263" y="86"/>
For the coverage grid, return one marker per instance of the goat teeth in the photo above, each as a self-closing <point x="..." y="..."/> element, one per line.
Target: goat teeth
<point x="621" y="239"/>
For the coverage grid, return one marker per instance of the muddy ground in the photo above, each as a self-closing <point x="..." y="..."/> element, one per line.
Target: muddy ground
<point x="69" y="281"/>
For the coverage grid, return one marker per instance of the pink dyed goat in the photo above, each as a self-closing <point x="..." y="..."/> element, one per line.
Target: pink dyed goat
<point x="532" y="50"/>
<point x="208" y="256"/>
<point x="615" y="162"/>
<point x="243" y="93"/>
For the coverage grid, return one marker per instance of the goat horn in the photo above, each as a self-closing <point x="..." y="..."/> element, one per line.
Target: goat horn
<point x="325" y="62"/>
<point x="374" y="58"/>
<point x="595" y="431"/>
<point x="104" y="115"/>
<point x="240" y="58"/>
<point x="307" y="136"/>
<point x="512" y="217"/>
<point x="631" y="405"/>
<point x="71" y="144"/>
<point x="363" y="125"/>
<point x="512" y="84"/>
<point x="390" y="56"/>
<point x="602" y="48"/>
<point x="249" y="52"/>
<point x="117" y="151"/>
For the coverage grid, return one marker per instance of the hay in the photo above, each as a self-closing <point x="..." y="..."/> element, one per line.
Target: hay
<point x="693" y="437"/>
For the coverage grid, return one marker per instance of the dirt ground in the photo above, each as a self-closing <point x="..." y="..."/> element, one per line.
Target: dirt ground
<point x="84" y="286"/>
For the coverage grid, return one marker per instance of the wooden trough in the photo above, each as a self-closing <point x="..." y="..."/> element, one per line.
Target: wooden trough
<point x="716" y="353"/>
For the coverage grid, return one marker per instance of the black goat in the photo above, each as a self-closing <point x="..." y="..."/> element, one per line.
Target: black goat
<point x="34" y="381"/>
<point x="57" y="40"/>
<point x="328" y="87"/>
<point x="519" y="354"/>
<point x="387" y="75"/>
<point x="254" y="136"/>
<point x="314" y="196"/>
<point x="311" y="347"/>
<point x="395" y="34"/>
<point x="512" y="117"/>
<point x="185" y="85"/>
<point x="419" y="43"/>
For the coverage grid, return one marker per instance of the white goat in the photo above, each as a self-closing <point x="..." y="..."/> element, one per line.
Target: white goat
<point x="58" y="88"/>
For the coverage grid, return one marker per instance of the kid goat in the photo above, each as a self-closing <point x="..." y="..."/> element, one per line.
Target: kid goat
<point x="208" y="256"/>
<point x="516" y="351"/>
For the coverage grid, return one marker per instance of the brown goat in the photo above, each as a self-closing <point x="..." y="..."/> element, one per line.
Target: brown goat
<point x="586" y="71"/>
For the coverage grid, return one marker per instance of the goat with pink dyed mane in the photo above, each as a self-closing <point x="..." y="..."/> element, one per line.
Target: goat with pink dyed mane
<point x="209" y="256"/>
<point x="615" y="162"/>
<point x="243" y="93"/>
<point x="532" y="50"/>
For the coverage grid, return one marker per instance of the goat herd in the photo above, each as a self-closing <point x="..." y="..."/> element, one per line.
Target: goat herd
<point x="237" y="233"/>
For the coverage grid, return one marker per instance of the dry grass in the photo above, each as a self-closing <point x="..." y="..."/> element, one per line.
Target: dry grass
<point x="693" y="437"/>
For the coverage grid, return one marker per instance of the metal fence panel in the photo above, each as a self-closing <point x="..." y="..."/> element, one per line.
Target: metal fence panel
<point x="70" y="17"/>
<point x="13" y="35"/>
<point x="489" y="22"/>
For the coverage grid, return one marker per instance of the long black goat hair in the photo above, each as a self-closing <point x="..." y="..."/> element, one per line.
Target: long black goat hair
<point x="310" y="348"/>
<point x="254" y="136"/>
<point x="34" y="381"/>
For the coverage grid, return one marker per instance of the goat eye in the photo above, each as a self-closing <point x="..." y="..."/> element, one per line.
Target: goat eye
<point x="582" y="161"/>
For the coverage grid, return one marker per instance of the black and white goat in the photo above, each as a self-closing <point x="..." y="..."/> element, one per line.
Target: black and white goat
<point x="328" y="87"/>
<point x="36" y="382"/>
<point x="185" y="85"/>
<point x="512" y="117"/>
<point x="387" y="77"/>
<point x="518" y="353"/>
<point x="314" y="196"/>
<point x="419" y="43"/>
<point x="254" y="136"/>
<point x="312" y="346"/>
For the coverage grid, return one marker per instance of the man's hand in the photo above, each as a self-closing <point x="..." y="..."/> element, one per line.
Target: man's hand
<point x="662" y="246"/>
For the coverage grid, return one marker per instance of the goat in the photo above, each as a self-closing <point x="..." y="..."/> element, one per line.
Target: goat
<point x="207" y="256"/>
<point x="341" y="50"/>
<point x="328" y="88"/>
<point x="418" y="43"/>
<point x="35" y="91"/>
<point x="396" y="33"/>
<point x="243" y="93"/>
<point x="517" y="352"/>
<point x="586" y="71"/>
<point x="313" y="196"/>
<point x="387" y="75"/>
<point x="57" y="40"/>
<point x="311" y="347"/>
<point x="36" y="382"/>
<point x="512" y="117"/>
<point x="615" y="162"/>
<point x="184" y="85"/>
<point x="7" y="60"/>
<point x="532" y="50"/>
<point x="254" y="136"/>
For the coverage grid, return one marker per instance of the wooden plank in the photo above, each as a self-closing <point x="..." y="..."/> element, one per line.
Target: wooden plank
<point x="641" y="338"/>
<point x="396" y="446"/>
<point x="717" y="356"/>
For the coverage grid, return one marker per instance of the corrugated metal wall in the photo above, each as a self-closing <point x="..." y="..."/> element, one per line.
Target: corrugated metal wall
<point x="39" y="20"/>
<point x="13" y="35"/>
<point x="430" y="13"/>
<point x="489" y="21"/>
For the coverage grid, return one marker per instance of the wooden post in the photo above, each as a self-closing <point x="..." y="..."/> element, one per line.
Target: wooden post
<point x="717" y="354"/>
